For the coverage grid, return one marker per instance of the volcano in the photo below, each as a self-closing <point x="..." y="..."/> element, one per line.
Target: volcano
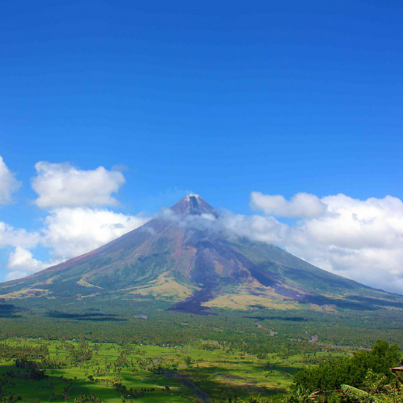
<point x="183" y="257"/>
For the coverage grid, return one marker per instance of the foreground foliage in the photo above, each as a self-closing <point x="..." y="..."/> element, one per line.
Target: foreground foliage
<point x="364" y="376"/>
<point x="332" y="373"/>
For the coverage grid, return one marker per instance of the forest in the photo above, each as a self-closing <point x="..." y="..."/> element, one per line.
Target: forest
<point x="134" y="353"/>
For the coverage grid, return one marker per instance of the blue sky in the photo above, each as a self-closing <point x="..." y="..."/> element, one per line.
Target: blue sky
<point x="218" y="98"/>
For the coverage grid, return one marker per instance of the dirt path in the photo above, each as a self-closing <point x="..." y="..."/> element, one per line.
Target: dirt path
<point x="186" y="381"/>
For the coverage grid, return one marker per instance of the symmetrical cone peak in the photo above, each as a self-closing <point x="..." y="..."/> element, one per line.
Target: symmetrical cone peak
<point x="193" y="204"/>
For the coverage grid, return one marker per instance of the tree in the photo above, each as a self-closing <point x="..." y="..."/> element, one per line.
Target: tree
<point x="333" y="373"/>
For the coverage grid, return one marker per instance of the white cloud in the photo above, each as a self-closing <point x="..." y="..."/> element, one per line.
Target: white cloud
<point x="300" y="205"/>
<point x="8" y="183"/>
<point x="70" y="232"/>
<point x="67" y="233"/>
<point x="358" y="239"/>
<point x="10" y="236"/>
<point x="255" y="227"/>
<point x="71" y="228"/>
<point x="21" y="263"/>
<point x="64" y="185"/>
<point x="357" y="224"/>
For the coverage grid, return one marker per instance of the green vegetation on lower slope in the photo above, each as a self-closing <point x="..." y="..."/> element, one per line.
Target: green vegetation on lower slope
<point x="114" y="320"/>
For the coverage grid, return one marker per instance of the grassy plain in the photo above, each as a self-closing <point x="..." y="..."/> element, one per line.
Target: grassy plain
<point x="110" y="347"/>
<point x="159" y="374"/>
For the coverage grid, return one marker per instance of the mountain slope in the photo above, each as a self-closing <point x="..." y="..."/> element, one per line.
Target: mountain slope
<point x="181" y="257"/>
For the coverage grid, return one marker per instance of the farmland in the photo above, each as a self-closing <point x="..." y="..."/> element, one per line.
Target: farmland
<point x="115" y="351"/>
<point x="113" y="373"/>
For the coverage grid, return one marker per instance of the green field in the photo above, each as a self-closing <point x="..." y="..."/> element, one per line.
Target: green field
<point x="154" y="373"/>
<point x="116" y="351"/>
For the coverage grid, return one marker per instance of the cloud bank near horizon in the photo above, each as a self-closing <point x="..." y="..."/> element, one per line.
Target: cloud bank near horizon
<point x="358" y="239"/>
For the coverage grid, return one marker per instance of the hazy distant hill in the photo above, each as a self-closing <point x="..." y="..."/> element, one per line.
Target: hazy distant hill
<point x="181" y="258"/>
